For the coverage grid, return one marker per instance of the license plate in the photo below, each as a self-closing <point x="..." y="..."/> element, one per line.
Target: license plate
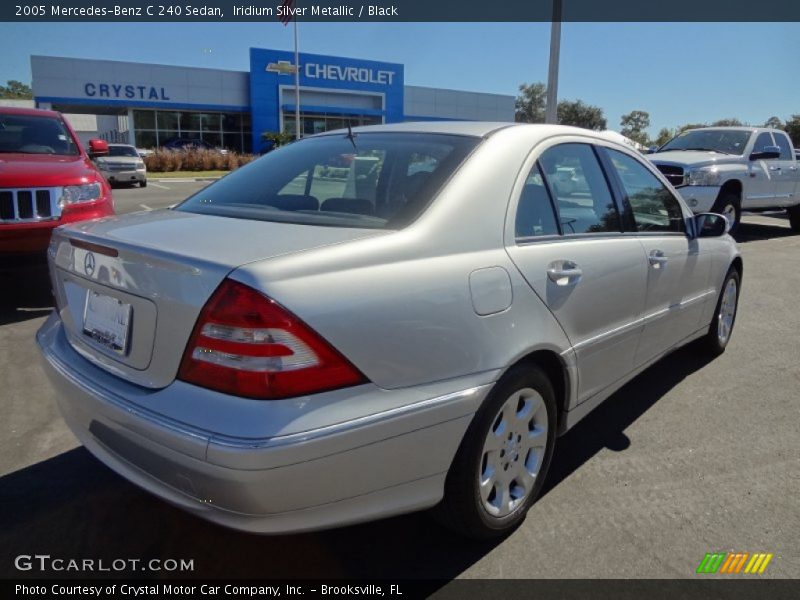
<point x="106" y="320"/>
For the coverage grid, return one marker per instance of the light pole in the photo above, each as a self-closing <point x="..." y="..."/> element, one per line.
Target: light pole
<point x="551" y="112"/>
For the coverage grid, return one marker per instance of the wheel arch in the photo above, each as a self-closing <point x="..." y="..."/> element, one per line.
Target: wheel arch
<point x="738" y="264"/>
<point x="732" y="186"/>
<point x="554" y="366"/>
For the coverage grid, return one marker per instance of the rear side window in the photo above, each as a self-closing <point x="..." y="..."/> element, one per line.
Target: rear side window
<point x="654" y="207"/>
<point x="783" y="143"/>
<point x="377" y="180"/>
<point x="583" y="199"/>
<point x="535" y="216"/>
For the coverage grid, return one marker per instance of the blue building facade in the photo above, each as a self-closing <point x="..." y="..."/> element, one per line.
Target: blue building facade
<point x="333" y="91"/>
<point x="148" y="104"/>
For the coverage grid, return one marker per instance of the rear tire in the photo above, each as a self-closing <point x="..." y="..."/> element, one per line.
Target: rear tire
<point x="730" y="205"/>
<point x="794" y="218"/>
<point x="501" y="465"/>
<point x="719" y="333"/>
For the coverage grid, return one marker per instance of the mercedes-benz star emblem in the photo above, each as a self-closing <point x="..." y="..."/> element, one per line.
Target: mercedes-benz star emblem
<point x="88" y="264"/>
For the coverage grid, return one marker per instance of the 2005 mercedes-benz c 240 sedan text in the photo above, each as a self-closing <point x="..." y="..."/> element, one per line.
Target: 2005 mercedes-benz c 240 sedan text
<point x="377" y="321"/>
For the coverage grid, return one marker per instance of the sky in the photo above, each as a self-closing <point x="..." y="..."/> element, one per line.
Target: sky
<point x="678" y="72"/>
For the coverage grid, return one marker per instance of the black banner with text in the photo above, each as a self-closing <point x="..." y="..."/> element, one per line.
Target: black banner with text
<point x="401" y="11"/>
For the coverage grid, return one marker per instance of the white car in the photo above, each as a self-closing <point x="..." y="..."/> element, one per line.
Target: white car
<point x="123" y="164"/>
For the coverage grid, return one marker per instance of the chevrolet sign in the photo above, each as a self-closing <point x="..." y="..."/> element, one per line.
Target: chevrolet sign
<point x="355" y="74"/>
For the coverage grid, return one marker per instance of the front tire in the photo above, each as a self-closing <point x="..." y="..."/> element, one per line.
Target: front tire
<point x="719" y="333"/>
<point x="502" y="462"/>
<point x="730" y="205"/>
<point x="143" y="183"/>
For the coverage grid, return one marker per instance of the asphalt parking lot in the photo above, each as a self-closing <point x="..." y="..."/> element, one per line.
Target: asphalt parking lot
<point x="691" y="457"/>
<point x="157" y="194"/>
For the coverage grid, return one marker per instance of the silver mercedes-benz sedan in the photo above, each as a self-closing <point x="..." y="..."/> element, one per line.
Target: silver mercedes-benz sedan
<point x="377" y="321"/>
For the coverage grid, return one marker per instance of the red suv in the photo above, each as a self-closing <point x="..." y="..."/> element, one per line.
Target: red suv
<point x="46" y="179"/>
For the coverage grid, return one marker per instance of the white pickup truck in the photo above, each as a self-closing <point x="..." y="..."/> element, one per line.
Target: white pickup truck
<point x="730" y="169"/>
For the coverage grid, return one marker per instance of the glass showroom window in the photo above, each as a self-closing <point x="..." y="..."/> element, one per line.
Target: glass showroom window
<point x="154" y="128"/>
<point x="320" y="123"/>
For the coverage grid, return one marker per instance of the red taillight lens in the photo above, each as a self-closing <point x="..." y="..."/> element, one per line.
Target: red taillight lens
<point x="246" y="344"/>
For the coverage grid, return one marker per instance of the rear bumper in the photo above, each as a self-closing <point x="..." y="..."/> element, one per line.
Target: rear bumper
<point x="348" y="471"/>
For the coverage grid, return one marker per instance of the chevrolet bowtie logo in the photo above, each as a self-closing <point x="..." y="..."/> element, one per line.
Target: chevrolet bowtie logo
<point x="282" y="67"/>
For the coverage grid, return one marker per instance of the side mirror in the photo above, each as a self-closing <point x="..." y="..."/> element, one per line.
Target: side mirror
<point x="98" y="148"/>
<point x="651" y="150"/>
<point x="766" y="153"/>
<point x="711" y="225"/>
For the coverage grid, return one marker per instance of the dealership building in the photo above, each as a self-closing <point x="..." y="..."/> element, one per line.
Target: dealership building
<point x="147" y="105"/>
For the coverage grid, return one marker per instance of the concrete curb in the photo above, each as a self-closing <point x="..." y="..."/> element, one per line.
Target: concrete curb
<point x="181" y="179"/>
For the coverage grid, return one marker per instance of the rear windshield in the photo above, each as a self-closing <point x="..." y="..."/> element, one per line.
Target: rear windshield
<point x="716" y="140"/>
<point x="122" y="151"/>
<point x="26" y="134"/>
<point x="375" y="180"/>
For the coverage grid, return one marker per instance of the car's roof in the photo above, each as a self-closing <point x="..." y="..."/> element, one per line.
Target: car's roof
<point x="468" y="128"/>
<point x="29" y="112"/>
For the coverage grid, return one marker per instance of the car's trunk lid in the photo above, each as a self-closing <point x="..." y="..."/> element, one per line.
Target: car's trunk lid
<point x="129" y="289"/>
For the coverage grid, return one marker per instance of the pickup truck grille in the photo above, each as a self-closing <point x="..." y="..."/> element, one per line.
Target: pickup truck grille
<point x="674" y="175"/>
<point x="119" y="166"/>
<point x="29" y="205"/>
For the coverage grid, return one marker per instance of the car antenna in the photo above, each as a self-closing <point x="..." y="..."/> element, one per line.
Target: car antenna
<point x="350" y="135"/>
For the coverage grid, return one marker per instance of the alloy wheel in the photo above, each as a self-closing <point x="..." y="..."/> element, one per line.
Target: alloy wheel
<point x="727" y="311"/>
<point x="512" y="453"/>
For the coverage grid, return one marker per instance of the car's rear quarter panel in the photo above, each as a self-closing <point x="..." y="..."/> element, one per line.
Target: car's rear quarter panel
<point x="399" y="306"/>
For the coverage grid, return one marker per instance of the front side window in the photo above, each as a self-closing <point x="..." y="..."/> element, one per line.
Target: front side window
<point x="376" y="180"/>
<point x="35" y="135"/>
<point x="762" y="141"/>
<point x="580" y="189"/>
<point x="654" y="207"/>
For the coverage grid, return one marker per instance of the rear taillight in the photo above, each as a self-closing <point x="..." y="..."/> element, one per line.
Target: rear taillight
<point x="246" y="344"/>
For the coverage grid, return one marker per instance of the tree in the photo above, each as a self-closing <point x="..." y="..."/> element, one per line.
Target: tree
<point x="275" y="139"/>
<point x="580" y="114"/>
<point x="727" y="123"/>
<point x="774" y="122"/>
<point x="792" y="127"/>
<point x="16" y="90"/>
<point x="663" y="137"/>
<point x="529" y="106"/>
<point x="683" y="128"/>
<point x="634" y="124"/>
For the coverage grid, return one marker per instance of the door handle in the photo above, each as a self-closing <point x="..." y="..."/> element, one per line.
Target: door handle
<point x="657" y="259"/>
<point x="564" y="272"/>
<point x="774" y="168"/>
